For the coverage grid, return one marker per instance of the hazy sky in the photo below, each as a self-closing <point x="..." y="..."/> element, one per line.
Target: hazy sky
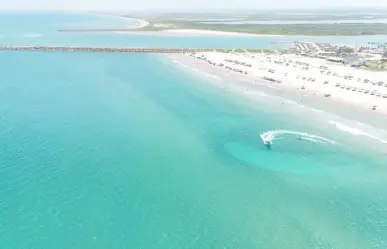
<point x="181" y="4"/>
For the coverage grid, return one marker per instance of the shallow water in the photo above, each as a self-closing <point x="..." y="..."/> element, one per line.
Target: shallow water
<point x="124" y="150"/>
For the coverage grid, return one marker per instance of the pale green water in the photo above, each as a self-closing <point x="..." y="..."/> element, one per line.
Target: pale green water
<point x="127" y="152"/>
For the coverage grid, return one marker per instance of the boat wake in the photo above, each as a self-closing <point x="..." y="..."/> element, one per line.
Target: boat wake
<point x="269" y="136"/>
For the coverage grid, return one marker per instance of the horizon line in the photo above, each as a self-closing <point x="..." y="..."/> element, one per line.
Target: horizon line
<point x="191" y="10"/>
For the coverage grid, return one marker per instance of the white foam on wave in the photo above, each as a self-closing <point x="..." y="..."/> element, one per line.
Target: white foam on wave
<point x="316" y="110"/>
<point x="32" y="35"/>
<point x="180" y="64"/>
<point x="290" y="101"/>
<point x="197" y="70"/>
<point x="293" y="102"/>
<point x="311" y="108"/>
<point x="355" y="131"/>
<point x="278" y="134"/>
<point x="262" y="94"/>
<point x="206" y="74"/>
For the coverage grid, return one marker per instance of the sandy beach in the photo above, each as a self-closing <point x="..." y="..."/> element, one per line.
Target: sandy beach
<point x="140" y="23"/>
<point x="303" y="75"/>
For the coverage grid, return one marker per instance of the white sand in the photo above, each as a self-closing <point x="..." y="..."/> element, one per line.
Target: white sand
<point x="160" y="25"/>
<point x="213" y="32"/>
<point x="292" y="77"/>
<point x="140" y="23"/>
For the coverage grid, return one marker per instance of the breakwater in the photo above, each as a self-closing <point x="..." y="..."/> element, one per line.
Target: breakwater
<point x="96" y="30"/>
<point x="104" y="49"/>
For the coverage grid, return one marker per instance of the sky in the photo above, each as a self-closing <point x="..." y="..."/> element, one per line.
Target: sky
<point x="122" y="5"/>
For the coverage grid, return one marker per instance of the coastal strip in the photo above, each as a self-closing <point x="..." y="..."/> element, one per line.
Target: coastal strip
<point x="104" y="49"/>
<point x="98" y="30"/>
<point x="303" y="75"/>
<point x="142" y="28"/>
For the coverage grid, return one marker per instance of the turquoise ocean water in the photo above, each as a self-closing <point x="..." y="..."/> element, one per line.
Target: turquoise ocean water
<point x="127" y="151"/>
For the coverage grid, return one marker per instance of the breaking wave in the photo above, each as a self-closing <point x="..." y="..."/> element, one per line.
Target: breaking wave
<point x="180" y="64"/>
<point x="206" y="74"/>
<point x="32" y="35"/>
<point x="355" y="131"/>
<point x="197" y="71"/>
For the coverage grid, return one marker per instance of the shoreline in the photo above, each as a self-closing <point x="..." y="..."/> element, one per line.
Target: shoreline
<point x="329" y="114"/>
<point x="344" y="98"/>
<point x="195" y="32"/>
<point x="140" y="23"/>
<point x="319" y="90"/>
<point x="215" y="33"/>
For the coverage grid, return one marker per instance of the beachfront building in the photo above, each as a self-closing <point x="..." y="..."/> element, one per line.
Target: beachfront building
<point x="352" y="60"/>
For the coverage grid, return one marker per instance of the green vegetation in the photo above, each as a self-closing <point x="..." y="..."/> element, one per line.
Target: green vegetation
<point x="273" y="22"/>
<point x="376" y="69"/>
<point x="367" y="56"/>
<point x="377" y="66"/>
<point x="269" y="15"/>
<point x="346" y="50"/>
<point x="347" y="29"/>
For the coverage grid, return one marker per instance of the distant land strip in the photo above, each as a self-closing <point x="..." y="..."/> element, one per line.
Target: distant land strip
<point x="105" y="49"/>
<point x="95" y="30"/>
<point x="311" y="29"/>
<point x="351" y="29"/>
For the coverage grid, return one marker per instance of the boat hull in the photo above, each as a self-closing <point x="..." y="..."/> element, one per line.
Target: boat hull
<point x="266" y="140"/>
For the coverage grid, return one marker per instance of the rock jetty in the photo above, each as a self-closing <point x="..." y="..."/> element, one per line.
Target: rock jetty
<point x="104" y="49"/>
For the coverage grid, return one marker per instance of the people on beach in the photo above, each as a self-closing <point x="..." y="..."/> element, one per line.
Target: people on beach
<point x="312" y="76"/>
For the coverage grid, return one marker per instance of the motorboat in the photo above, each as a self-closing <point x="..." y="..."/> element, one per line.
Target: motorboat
<point x="267" y="140"/>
